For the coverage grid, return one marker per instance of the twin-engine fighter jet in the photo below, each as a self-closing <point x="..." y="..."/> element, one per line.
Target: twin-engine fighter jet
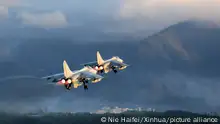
<point x="90" y="72"/>
<point x="75" y="78"/>
<point x="115" y="63"/>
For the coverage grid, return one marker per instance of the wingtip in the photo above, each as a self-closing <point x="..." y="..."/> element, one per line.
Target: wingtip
<point x="45" y="77"/>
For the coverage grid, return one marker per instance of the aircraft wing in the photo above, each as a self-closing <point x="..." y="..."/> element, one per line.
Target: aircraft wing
<point x="118" y="63"/>
<point x="90" y="63"/>
<point x="90" y="75"/>
<point x="54" y="77"/>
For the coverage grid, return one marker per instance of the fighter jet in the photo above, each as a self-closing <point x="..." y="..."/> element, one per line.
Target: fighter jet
<point x="75" y="78"/>
<point x="115" y="64"/>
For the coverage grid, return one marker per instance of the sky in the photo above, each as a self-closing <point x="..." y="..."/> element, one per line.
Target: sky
<point x="156" y="13"/>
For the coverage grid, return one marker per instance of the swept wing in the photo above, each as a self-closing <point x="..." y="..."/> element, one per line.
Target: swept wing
<point x="54" y="77"/>
<point x="92" y="64"/>
<point x="118" y="63"/>
<point x="90" y="75"/>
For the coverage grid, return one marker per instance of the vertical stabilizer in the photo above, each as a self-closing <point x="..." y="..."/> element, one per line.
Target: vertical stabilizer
<point x="106" y="68"/>
<point x="67" y="72"/>
<point x="100" y="61"/>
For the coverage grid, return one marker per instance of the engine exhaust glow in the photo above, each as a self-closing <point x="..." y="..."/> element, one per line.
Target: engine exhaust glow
<point x="63" y="81"/>
<point x="69" y="81"/>
<point x="96" y="67"/>
<point x="101" y="67"/>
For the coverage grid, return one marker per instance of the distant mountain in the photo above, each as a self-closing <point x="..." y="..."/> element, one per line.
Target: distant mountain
<point x="191" y="46"/>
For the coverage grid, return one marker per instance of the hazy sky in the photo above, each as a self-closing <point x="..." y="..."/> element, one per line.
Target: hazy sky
<point x="154" y="12"/>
